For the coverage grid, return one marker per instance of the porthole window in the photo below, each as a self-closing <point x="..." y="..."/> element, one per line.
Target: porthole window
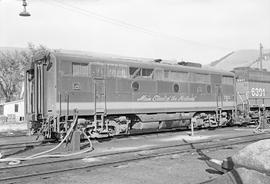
<point x="135" y="86"/>
<point x="208" y="88"/>
<point x="176" y="88"/>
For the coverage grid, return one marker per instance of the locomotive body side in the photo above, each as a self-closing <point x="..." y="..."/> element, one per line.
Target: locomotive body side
<point x="140" y="94"/>
<point x="253" y="91"/>
<point x="114" y="95"/>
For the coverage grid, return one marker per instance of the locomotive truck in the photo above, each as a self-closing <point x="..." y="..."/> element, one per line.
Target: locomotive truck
<point x="118" y="95"/>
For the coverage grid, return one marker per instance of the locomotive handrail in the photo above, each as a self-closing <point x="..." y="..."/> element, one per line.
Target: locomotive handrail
<point x="241" y="99"/>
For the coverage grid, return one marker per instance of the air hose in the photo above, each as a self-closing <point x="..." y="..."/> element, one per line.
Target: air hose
<point x="42" y="154"/>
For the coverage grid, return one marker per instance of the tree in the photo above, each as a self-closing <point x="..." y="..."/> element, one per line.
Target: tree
<point x="12" y="67"/>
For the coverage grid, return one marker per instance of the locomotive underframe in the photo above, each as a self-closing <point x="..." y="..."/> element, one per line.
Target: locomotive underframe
<point x="101" y="125"/>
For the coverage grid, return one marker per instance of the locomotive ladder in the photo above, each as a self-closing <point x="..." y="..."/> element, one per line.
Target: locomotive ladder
<point x="100" y="106"/>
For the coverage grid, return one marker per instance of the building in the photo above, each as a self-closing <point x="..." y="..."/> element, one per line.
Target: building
<point x="12" y="111"/>
<point x="243" y="58"/>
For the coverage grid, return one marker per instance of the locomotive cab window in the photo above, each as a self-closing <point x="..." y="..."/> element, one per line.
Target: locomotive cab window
<point x="134" y="72"/>
<point x="79" y="69"/>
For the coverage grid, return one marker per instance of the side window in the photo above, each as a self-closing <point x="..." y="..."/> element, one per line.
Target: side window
<point x="147" y="73"/>
<point x="79" y="69"/>
<point x="97" y="70"/>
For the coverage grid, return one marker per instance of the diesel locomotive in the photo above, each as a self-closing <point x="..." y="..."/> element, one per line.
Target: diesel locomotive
<point x="253" y="97"/>
<point x="117" y="95"/>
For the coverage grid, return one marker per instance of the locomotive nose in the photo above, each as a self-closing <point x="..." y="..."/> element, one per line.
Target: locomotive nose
<point x="34" y="86"/>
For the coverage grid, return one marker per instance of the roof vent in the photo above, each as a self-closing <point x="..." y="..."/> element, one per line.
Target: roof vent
<point x="157" y="60"/>
<point x="184" y="63"/>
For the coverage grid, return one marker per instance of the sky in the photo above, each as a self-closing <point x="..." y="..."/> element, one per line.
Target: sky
<point x="191" y="30"/>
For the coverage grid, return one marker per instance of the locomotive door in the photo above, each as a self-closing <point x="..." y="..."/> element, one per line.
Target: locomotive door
<point x="219" y="100"/>
<point x="100" y="96"/>
<point x="219" y="96"/>
<point x="97" y="72"/>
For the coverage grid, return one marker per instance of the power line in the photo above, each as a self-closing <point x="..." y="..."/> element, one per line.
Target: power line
<point x="127" y="25"/>
<point x="97" y="16"/>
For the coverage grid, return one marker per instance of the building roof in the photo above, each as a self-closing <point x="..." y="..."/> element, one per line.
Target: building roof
<point x="12" y="102"/>
<point x="242" y="58"/>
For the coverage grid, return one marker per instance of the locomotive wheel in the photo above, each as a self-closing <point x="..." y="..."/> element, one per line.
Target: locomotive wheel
<point x="55" y="136"/>
<point x="114" y="128"/>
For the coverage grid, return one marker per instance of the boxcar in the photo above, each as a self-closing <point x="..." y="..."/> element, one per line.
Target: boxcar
<point x="117" y="95"/>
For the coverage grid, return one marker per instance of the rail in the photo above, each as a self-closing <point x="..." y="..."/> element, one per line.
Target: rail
<point x="43" y="154"/>
<point x="107" y="159"/>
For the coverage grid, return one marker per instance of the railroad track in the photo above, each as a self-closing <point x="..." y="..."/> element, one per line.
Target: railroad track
<point x="21" y="144"/>
<point x="41" y="143"/>
<point x="12" y="136"/>
<point x="53" y="166"/>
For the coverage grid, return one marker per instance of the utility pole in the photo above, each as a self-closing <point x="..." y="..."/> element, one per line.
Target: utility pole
<point x="261" y="56"/>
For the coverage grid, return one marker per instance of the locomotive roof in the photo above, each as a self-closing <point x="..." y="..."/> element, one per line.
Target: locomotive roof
<point x="132" y="61"/>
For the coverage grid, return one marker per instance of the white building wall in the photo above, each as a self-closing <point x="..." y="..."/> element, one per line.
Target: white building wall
<point x="12" y="112"/>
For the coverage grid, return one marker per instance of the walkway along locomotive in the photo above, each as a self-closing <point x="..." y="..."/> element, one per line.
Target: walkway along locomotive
<point x="115" y="96"/>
